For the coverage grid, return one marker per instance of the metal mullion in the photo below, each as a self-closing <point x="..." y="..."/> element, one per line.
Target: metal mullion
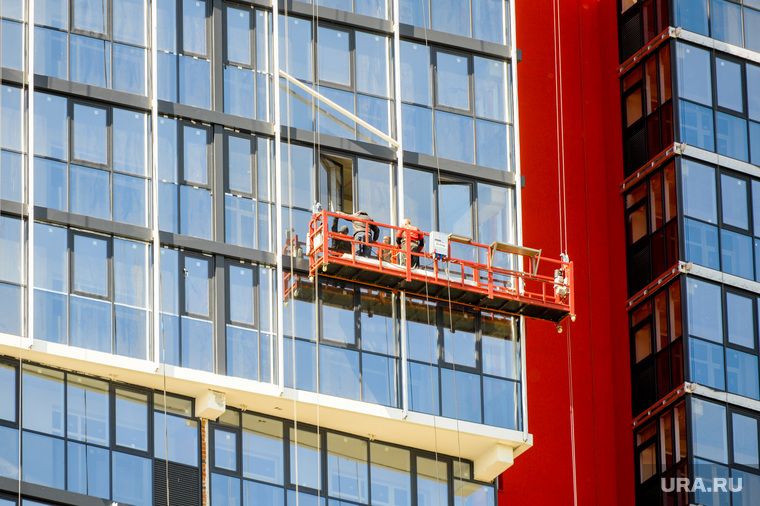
<point x="215" y="32"/>
<point x="111" y="289"/>
<point x="218" y="294"/>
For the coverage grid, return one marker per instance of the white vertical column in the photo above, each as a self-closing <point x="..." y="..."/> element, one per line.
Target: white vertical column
<point x="29" y="75"/>
<point x="278" y="192"/>
<point x="400" y="188"/>
<point x="157" y="358"/>
<point x="518" y="203"/>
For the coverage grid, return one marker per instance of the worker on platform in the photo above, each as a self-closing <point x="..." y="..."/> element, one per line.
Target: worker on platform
<point x="342" y="245"/>
<point x="386" y="254"/>
<point x="416" y="241"/>
<point x="360" y="233"/>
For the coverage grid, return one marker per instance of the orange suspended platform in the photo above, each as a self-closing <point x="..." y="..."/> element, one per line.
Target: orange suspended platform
<point x="488" y="278"/>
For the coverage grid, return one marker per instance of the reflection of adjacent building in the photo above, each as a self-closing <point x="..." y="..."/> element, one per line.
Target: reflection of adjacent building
<point x="691" y="215"/>
<point x="157" y="177"/>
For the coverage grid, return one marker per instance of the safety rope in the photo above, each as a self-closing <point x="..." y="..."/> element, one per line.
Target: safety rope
<point x="562" y="202"/>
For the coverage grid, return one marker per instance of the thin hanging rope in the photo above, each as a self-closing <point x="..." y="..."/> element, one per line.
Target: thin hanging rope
<point x="563" y="218"/>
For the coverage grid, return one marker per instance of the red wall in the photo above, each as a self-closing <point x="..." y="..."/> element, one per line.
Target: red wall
<point x="603" y="460"/>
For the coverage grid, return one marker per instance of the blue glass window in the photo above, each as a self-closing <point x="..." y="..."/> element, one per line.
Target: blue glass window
<point x="181" y="431"/>
<point x="131" y="417"/>
<point x="707" y="364"/>
<point x="694" y="74"/>
<point x="372" y="64"/>
<point x="130" y="142"/>
<point x="239" y="88"/>
<point x="11" y="247"/>
<point x="238" y="35"/>
<point x="87" y="410"/>
<point x="243" y="353"/>
<point x="129" y="64"/>
<point x="333" y="56"/>
<point x="167" y="20"/>
<point x="11" y="51"/>
<point x="167" y="69"/>
<point x="90" y="61"/>
<point x="90" y="265"/>
<point x="10" y="318"/>
<point x="8" y="390"/>
<point x="194" y="80"/>
<point x="51" y="53"/>
<point x="423" y="388"/>
<point x="432" y="482"/>
<point x="732" y="136"/>
<point x="697" y="126"/>
<point x="129" y="21"/>
<point x="742" y="374"/>
<point x="88" y="470"/>
<point x="131" y="332"/>
<point x="339" y="372"/>
<point x="734" y="201"/>
<point x="728" y="77"/>
<point x="745" y="443"/>
<point x="736" y="254"/>
<point x="197" y="344"/>
<point x="465" y="403"/>
<point x="132" y="479"/>
<point x="11" y="132"/>
<point x="239" y="221"/>
<point x="43" y="400"/>
<point x="295" y="44"/>
<point x="52" y="324"/>
<point x="379" y="379"/>
<point x="692" y="15"/>
<point x="196" y="212"/>
<point x="415" y="73"/>
<point x="44" y="460"/>
<point x="11" y="178"/>
<point x="708" y="421"/>
<point x="454" y="136"/>
<point x="194" y="26"/>
<point x="740" y="319"/>
<point x="9" y="441"/>
<point x="53" y="13"/>
<point x="130" y="198"/>
<point x="197" y="272"/>
<point x="90" y="324"/>
<point x="753" y="91"/>
<point x="703" y="300"/>
<point x="50" y="126"/>
<point x="90" y="193"/>
<point x="451" y="16"/>
<point x="390" y="471"/>
<point x="492" y="144"/>
<point x="91" y="15"/>
<point x="488" y="20"/>
<point x="304" y="374"/>
<point x="347" y="475"/>
<point x="195" y="153"/>
<point x="490" y="89"/>
<point x="51" y="257"/>
<point x="453" y="86"/>
<point x="305" y="453"/>
<point x="501" y="403"/>
<point x="262" y="442"/>
<point x="418" y="129"/>
<point x="699" y="191"/>
<point x="726" y="21"/>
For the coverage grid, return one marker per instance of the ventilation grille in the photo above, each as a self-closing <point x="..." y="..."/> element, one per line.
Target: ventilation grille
<point x="643" y="390"/>
<point x="638" y="269"/>
<point x="635" y="151"/>
<point x="184" y="484"/>
<point x="631" y="38"/>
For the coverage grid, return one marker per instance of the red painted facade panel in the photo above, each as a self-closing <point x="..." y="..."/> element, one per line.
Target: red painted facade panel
<point x="598" y="467"/>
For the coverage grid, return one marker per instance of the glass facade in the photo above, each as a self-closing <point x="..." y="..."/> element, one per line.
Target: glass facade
<point x="148" y="229"/>
<point x="693" y="321"/>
